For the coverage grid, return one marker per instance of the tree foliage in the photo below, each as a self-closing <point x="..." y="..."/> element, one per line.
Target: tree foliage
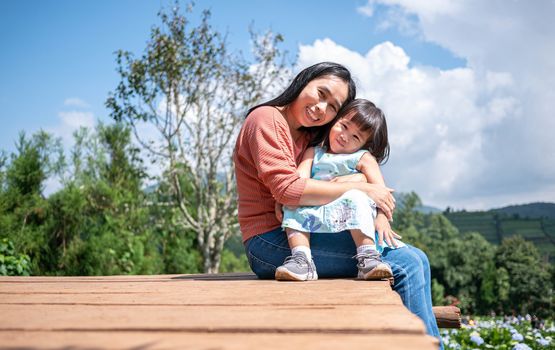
<point x="528" y="279"/>
<point x="482" y="277"/>
<point x="192" y="93"/>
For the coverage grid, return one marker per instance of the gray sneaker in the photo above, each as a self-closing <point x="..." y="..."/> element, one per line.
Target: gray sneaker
<point x="297" y="268"/>
<point x="371" y="267"/>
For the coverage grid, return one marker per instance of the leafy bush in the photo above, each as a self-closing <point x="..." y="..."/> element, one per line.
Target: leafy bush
<point x="233" y="263"/>
<point x="12" y="264"/>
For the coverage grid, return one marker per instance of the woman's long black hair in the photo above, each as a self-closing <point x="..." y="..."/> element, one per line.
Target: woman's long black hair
<point x="302" y="79"/>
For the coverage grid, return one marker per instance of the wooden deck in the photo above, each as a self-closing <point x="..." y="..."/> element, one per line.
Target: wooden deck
<point x="231" y="311"/>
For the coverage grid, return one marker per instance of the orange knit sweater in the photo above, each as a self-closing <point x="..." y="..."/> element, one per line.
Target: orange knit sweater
<point x="266" y="158"/>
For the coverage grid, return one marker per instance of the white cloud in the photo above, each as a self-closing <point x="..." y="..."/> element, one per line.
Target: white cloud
<point x="443" y="125"/>
<point x="477" y="136"/>
<point x="426" y="8"/>
<point x="76" y="102"/>
<point x="367" y="10"/>
<point x="69" y="122"/>
<point x="518" y="39"/>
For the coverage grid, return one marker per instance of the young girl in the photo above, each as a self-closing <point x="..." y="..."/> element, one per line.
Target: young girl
<point x="357" y="142"/>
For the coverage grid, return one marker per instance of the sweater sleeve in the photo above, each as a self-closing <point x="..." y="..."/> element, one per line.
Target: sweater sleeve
<point x="273" y="153"/>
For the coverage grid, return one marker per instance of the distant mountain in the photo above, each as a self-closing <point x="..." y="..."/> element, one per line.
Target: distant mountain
<point x="532" y="210"/>
<point x="400" y="197"/>
<point x="426" y="209"/>
<point x="535" y="222"/>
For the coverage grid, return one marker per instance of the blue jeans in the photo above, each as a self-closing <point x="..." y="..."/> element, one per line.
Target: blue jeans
<point x="333" y="255"/>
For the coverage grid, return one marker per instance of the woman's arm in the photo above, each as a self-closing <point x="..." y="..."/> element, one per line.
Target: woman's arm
<point x="318" y="192"/>
<point x="357" y="177"/>
<point x="265" y="148"/>
<point x="304" y="170"/>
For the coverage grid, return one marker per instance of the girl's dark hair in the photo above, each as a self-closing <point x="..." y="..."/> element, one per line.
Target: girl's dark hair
<point x="302" y="79"/>
<point x="367" y="116"/>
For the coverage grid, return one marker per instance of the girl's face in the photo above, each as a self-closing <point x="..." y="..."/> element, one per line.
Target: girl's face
<point x="346" y="137"/>
<point x="318" y="102"/>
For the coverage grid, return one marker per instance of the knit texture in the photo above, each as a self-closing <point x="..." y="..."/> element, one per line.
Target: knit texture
<point x="266" y="158"/>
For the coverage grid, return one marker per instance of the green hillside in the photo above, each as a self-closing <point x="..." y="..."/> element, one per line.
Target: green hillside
<point x="535" y="222"/>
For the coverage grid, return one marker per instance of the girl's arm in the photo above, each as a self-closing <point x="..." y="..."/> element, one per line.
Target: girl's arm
<point x="369" y="172"/>
<point x="321" y="192"/>
<point x="368" y="166"/>
<point x="305" y="166"/>
<point x="304" y="170"/>
<point x="265" y="143"/>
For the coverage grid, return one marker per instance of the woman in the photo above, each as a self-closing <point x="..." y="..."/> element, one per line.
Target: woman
<point x="269" y="147"/>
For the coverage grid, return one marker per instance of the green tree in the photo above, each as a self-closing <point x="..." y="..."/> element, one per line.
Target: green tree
<point x="529" y="286"/>
<point x="438" y="293"/>
<point x="406" y="215"/>
<point x="461" y="264"/>
<point x="23" y="208"/>
<point x="193" y="94"/>
<point x="101" y="220"/>
<point x="178" y="244"/>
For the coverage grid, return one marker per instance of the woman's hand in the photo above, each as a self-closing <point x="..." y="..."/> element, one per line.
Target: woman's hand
<point x="383" y="198"/>
<point x="385" y="233"/>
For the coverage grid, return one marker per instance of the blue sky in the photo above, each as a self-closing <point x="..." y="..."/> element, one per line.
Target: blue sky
<point x="55" y="50"/>
<point x="57" y="63"/>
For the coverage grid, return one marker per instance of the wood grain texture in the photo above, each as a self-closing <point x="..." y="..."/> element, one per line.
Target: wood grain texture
<point x="226" y="311"/>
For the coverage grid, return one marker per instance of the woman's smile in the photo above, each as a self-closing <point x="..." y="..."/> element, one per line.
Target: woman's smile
<point x="318" y="102"/>
<point x="312" y="115"/>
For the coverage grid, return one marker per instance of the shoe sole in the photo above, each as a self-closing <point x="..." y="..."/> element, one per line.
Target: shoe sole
<point x="286" y="275"/>
<point x="378" y="273"/>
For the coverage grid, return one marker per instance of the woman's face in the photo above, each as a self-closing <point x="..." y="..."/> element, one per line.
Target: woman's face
<point x="318" y="102"/>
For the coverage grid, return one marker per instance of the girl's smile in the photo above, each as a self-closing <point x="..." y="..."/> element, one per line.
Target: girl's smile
<point x="346" y="137"/>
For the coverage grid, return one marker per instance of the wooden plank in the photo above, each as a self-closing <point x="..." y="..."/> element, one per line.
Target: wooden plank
<point x="200" y="292"/>
<point x="447" y="316"/>
<point x="394" y="319"/>
<point x="178" y="298"/>
<point x="233" y="276"/>
<point x="231" y="311"/>
<point x="174" y="340"/>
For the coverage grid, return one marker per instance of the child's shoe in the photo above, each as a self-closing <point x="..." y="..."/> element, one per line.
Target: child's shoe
<point x="371" y="267"/>
<point x="297" y="268"/>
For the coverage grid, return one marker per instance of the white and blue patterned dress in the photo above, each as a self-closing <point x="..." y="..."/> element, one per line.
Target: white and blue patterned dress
<point x="353" y="210"/>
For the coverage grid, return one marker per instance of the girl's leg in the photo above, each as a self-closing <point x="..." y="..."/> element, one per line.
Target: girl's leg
<point x="298" y="266"/>
<point x="299" y="242"/>
<point x="266" y="252"/>
<point x="361" y="239"/>
<point x="370" y="264"/>
<point x="333" y="252"/>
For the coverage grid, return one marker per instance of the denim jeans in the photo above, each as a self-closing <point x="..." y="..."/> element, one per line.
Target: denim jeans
<point x="333" y="255"/>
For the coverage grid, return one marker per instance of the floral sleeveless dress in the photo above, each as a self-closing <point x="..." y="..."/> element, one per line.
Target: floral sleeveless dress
<point x="353" y="210"/>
